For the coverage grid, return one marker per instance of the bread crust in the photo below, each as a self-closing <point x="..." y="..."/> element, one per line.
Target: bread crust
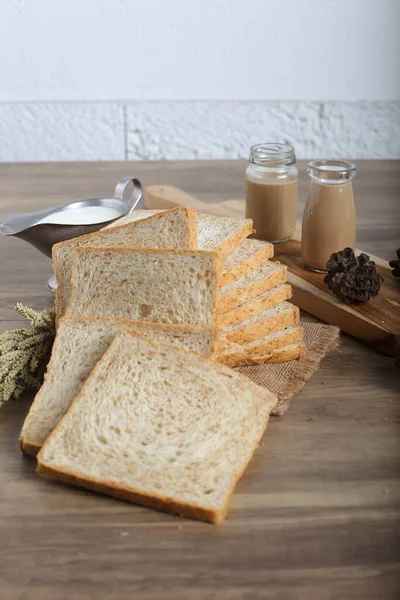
<point x="119" y="250"/>
<point x="28" y="448"/>
<point x="240" y="295"/>
<point x="131" y="494"/>
<point x="249" y="264"/>
<point x="227" y="246"/>
<point x="256" y="305"/>
<point x="296" y="351"/>
<point x="245" y="334"/>
<point x="192" y="244"/>
<point x="136" y="496"/>
<point x="249" y="353"/>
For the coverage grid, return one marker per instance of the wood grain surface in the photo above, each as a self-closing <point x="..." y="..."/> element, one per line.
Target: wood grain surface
<point x="316" y="515"/>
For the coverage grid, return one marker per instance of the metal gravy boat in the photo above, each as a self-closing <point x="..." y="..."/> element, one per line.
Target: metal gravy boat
<point x="43" y="236"/>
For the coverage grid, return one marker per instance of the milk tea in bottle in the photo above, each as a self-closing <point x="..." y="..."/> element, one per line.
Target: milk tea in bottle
<point x="329" y="219"/>
<point x="271" y="191"/>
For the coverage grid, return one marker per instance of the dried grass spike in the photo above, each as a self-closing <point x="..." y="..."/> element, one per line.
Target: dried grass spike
<point x="23" y="350"/>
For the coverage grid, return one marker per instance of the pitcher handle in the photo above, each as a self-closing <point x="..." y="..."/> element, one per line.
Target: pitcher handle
<point x="136" y="200"/>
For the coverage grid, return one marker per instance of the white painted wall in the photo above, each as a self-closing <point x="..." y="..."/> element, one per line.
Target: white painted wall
<point x="315" y="72"/>
<point x="210" y="49"/>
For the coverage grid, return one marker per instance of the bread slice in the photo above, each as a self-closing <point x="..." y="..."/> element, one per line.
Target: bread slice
<point x="249" y="255"/>
<point x="79" y="344"/>
<point x="266" y="322"/>
<point x="174" y="228"/>
<point x="162" y="286"/>
<point x="214" y="234"/>
<point x="249" y="354"/>
<point x="295" y="351"/>
<point x="159" y="427"/>
<point x="265" y="277"/>
<point x="221" y="234"/>
<point x="136" y="215"/>
<point x="252" y="307"/>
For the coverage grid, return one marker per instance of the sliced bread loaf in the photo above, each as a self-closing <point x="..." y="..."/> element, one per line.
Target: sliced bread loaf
<point x="159" y="427"/>
<point x="252" y="307"/>
<point x="263" y="278"/>
<point x="163" y="286"/>
<point x="249" y="255"/>
<point x="266" y="322"/>
<point x="174" y="228"/>
<point x="79" y="344"/>
<point x="219" y="234"/>
<point x="248" y="354"/>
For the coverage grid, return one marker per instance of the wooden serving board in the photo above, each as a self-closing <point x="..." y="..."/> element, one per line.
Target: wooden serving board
<point x="376" y="322"/>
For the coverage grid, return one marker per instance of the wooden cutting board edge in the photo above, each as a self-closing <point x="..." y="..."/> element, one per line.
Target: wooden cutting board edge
<point x="335" y="313"/>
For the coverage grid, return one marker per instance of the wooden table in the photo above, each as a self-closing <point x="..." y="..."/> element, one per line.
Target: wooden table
<point x="316" y="515"/>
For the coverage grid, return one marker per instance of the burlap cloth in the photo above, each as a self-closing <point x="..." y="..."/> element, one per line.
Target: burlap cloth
<point x="285" y="379"/>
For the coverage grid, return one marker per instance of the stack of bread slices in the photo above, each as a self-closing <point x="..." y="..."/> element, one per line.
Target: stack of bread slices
<point x="138" y="400"/>
<point x="256" y="322"/>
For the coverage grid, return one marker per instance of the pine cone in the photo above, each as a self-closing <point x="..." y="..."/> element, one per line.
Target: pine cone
<point x="395" y="264"/>
<point x="352" y="279"/>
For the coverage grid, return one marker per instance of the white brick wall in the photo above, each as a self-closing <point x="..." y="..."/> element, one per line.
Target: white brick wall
<point x="60" y="131"/>
<point x="228" y="129"/>
<point x="103" y="80"/>
<point x="326" y="50"/>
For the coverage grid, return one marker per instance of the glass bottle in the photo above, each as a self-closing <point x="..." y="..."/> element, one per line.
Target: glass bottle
<point x="329" y="219"/>
<point x="271" y="191"/>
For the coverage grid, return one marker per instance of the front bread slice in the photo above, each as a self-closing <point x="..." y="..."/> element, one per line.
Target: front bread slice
<point x="79" y="344"/>
<point x="159" y="427"/>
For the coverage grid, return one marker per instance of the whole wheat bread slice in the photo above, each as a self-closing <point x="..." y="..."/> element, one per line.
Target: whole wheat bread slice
<point x="221" y="234"/>
<point x="214" y="234"/>
<point x="263" y="278"/>
<point x="264" y="323"/>
<point x="174" y="228"/>
<point x="136" y="215"/>
<point x="162" y="286"/>
<point x="253" y="307"/>
<point x="249" y="354"/>
<point x="295" y="351"/>
<point x="79" y="344"/>
<point x="159" y="427"/>
<point x="248" y="255"/>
